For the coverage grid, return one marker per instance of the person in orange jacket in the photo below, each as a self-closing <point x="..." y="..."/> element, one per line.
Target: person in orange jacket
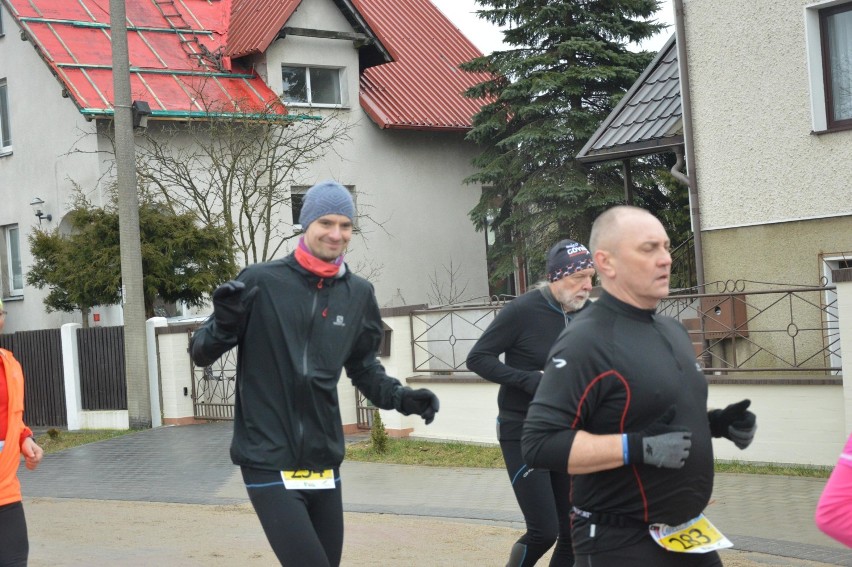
<point x="16" y="439"/>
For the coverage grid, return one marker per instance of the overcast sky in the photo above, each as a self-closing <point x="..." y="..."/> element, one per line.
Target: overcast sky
<point x="488" y="37"/>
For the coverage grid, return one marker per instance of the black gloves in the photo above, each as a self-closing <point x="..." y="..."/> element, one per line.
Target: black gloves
<point x="659" y="444"/>
<point x="422" y="402"/>
<point x="734" y="422"/>
<point x="231" y="303"/>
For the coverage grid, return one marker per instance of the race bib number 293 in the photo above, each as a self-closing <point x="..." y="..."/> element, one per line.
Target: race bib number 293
<point x="695" y="536"/>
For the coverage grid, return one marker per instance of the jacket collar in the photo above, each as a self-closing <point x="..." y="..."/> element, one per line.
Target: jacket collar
<point x="290" y="260"/>
<point x="614" y="304"/>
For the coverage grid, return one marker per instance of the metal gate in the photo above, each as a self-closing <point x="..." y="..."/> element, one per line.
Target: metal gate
<point x="213" y="388"/>
<point x="365" y="410"/>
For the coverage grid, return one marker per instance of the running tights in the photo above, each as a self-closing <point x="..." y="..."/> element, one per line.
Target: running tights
<point x="14" y="544"/>
<point x="304" y="527"/>
<point x="545" y="501"/>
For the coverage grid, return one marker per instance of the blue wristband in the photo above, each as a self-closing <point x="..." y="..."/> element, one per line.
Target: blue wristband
<point x="624" y="449"/>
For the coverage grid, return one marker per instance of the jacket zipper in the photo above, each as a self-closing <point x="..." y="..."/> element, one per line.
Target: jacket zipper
<point x="299" y="404"/>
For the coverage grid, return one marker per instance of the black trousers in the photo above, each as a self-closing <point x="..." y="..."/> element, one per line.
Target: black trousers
<point x="545" y="501"/>
<point x="14" y="543"/>
<point x="304" y="527"/>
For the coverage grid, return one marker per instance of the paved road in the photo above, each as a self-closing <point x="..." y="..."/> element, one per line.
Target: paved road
<point x="190" y="464"/>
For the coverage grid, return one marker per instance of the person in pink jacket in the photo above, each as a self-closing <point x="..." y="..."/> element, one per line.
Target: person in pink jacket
<point x="16" y="439"/>
<point x="834" y="509"/>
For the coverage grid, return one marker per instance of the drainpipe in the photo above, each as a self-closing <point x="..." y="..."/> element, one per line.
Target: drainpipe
<point x="691" y="180"/>
<point x="628" y="181"/>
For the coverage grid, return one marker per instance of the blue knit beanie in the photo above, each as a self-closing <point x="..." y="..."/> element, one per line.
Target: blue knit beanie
<point x="326" y="198"/>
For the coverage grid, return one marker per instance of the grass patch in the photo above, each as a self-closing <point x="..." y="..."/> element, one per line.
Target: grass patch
<point x="454" y="454"/>
<point x="770" y="469"/>
<point x="55" y="440"/>
<point x="428" y="453"/>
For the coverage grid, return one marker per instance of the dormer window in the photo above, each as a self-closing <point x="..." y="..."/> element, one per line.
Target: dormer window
<point x="312" y="86"/>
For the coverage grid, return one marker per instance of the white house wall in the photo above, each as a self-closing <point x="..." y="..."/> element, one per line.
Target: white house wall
<point x="757" y="159"/>
<point x="45" y="127"/>
<point x="402" y="177"/>
<point x="408" y="181"/>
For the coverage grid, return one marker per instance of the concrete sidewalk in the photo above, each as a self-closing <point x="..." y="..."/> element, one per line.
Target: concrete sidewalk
<point x="190" y="464"/>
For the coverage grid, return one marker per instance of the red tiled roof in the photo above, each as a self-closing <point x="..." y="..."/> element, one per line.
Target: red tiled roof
<point x="422" y="88"/>
<point x="255" y="24"/>
<point x="165" y="47"/>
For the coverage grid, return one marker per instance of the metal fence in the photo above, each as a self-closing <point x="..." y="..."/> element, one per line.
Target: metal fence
<point x="734" y="330"/>
<point x="442" y="337"/>
<point x="743" y="330"/>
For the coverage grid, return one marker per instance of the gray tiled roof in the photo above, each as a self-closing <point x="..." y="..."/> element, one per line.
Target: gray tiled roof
<point x="648" y="118"/>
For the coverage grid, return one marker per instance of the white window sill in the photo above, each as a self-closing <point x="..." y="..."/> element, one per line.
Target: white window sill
<point x="308" y="105"/>
<point x="844" y="128"/>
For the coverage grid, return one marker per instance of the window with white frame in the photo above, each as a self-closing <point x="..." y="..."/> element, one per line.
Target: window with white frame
<point x="5" y="127"/>
<point x="829" y="44"/>
<point x="314" y="86"/>
<point x="13" y="275"/>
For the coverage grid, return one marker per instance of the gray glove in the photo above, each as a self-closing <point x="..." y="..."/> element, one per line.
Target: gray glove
<point x="660" y="444"/>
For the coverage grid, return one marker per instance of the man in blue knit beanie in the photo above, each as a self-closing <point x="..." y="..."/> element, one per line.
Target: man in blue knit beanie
<point x="298" y="322"/>
<point x="326" y="198"/>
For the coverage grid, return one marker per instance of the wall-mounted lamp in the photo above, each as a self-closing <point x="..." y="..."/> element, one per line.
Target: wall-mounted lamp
<point x="37" y="205"/>
<point x="141" y="112"/>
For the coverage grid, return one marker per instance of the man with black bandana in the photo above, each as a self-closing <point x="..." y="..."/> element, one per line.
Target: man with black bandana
<point x="523" y="331"/>
<point x="298" y="322"/>
<point x="622" y="406"/>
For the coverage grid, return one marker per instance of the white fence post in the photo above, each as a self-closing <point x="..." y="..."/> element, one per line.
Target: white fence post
<point x="843" y="282"/>
<point x="153" y="368"/>
<point x="71" y="375"/>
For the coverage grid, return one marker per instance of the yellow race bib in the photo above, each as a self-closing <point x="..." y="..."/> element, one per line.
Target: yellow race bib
<point x="695" y="536"/>
<point x="308" y="480"/>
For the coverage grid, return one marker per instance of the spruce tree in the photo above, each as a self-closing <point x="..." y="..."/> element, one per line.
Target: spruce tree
<point x="567" y="67"/>
<point x="378" y="433"/>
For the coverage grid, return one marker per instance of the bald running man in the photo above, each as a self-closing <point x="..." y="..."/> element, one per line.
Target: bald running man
<point x="622" y="406"/>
